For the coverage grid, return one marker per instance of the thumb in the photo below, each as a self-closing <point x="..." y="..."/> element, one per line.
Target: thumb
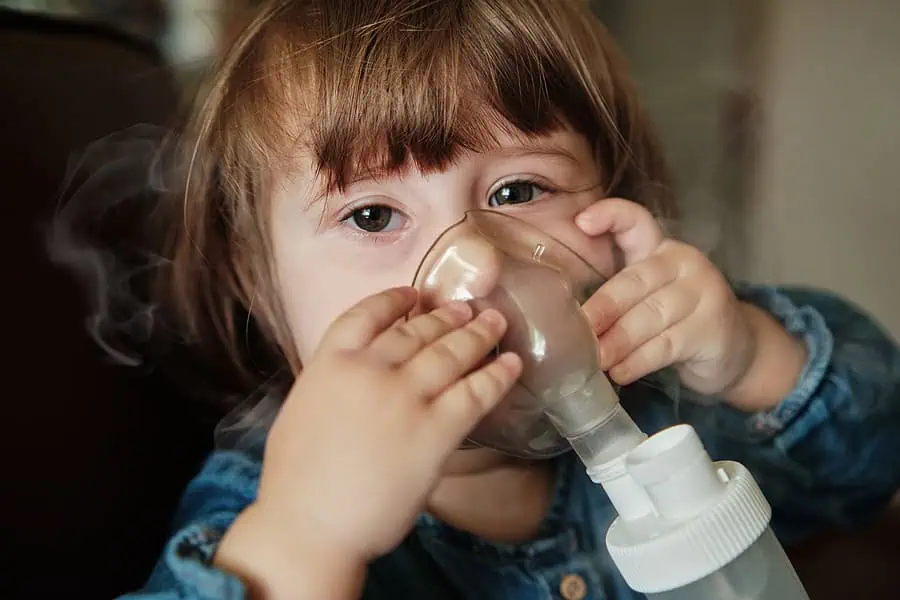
<point x="633" y="228"/>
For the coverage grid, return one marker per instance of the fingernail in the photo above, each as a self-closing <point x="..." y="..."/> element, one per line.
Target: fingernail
<point x="601" y="360"/>
<point x="491" y="317"/>
<point x="510" y="360"/>
<point x="583" y="220"/>
<point x="459" y="308"/>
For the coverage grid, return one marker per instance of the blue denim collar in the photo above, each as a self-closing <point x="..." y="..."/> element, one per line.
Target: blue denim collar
<point x="559" y="533"/>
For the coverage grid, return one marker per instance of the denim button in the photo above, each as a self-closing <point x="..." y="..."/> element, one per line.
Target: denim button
<point x="573" y="587"/>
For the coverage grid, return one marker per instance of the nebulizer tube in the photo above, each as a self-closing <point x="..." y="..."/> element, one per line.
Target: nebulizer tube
<point x="687" y="527"/>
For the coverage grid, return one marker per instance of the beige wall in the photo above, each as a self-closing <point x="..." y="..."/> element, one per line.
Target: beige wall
<point x="683" y="57"/>
<point x="826" y="204"/>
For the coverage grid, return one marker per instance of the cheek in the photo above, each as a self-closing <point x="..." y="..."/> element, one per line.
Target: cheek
<point x="556" y="218"/>
<point x="315" y="291"/>
<point x="596" y="251"/>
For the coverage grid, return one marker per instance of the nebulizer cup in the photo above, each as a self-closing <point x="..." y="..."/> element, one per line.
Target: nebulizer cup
<point x="687" y="527"/>
<point x="708" y="536"/>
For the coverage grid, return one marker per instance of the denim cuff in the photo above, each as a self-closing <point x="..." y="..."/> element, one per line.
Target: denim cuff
<point x="189" y="557"/>
<point x="790" y="419"/>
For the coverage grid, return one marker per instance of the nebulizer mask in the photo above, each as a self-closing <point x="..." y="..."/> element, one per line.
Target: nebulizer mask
<point x="687" y="527"/>
<point x="492" y="260"/>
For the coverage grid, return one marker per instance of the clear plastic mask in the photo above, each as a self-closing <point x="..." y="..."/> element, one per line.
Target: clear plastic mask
<point x="493" y="260"/>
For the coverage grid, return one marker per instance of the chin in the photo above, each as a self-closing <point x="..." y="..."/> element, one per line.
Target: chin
<point x="471" y="461"/>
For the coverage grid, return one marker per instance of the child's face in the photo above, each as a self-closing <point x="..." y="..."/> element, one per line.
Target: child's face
<point x="330" y="254"/>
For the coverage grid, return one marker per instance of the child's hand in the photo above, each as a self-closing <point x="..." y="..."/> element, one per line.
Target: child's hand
<point x="371" y="420"/>
<point x="668" y="306"/>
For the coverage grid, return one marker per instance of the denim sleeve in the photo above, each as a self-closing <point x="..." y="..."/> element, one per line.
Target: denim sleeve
<point x="829" y="453"/>
<point x="224" y="487"/>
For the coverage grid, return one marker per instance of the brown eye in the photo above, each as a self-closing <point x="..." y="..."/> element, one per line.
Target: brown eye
<point x="515" y="192"/>
<point x="374" y="219"/>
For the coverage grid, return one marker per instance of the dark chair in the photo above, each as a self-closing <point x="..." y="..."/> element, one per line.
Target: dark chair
<point x="864" y="564"/>
<point x="96" y="454"/>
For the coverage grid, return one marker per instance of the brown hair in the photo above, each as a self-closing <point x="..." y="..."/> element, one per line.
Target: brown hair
<point x="356" y="85"/>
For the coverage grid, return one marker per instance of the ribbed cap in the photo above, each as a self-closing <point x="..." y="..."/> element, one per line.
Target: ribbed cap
<point x="668" y="559"/>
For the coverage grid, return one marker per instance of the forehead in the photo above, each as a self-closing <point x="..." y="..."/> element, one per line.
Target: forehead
<point x="562" y="142"/>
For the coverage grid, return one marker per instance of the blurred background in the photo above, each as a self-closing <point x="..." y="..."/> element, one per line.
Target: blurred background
<point x="780" y="118"/>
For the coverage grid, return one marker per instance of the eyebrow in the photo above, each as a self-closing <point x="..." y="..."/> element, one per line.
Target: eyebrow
<point x="538" y="150"/>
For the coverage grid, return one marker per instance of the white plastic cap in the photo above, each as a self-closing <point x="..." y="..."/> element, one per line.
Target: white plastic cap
<point x="707" y="514"/>
<point x="677" y="473"/>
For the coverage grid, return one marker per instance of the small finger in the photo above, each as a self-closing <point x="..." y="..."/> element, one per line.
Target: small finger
<point x="658" y="353"/>
<point x="442" y="363"/>
<point x="626" y="289"/>
<point x="648" y="319"/>
<point x="357" y="327"/>
<point x="633" y="228"/>
<point x="459" y="409"/>
<point x="398" y="344"/>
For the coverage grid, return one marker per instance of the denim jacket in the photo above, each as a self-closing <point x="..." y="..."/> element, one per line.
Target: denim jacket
<point x="827" y="455"/>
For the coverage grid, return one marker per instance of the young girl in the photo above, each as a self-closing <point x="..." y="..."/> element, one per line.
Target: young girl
<point x="337" y="140"/>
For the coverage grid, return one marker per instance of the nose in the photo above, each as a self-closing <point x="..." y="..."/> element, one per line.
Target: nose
<point x="467" y="267"/>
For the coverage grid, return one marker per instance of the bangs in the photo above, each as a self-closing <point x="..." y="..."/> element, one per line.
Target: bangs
<point x="372" y="90"/>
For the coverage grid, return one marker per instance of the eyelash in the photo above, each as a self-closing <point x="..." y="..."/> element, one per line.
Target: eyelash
<point x="381" y="236"/>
